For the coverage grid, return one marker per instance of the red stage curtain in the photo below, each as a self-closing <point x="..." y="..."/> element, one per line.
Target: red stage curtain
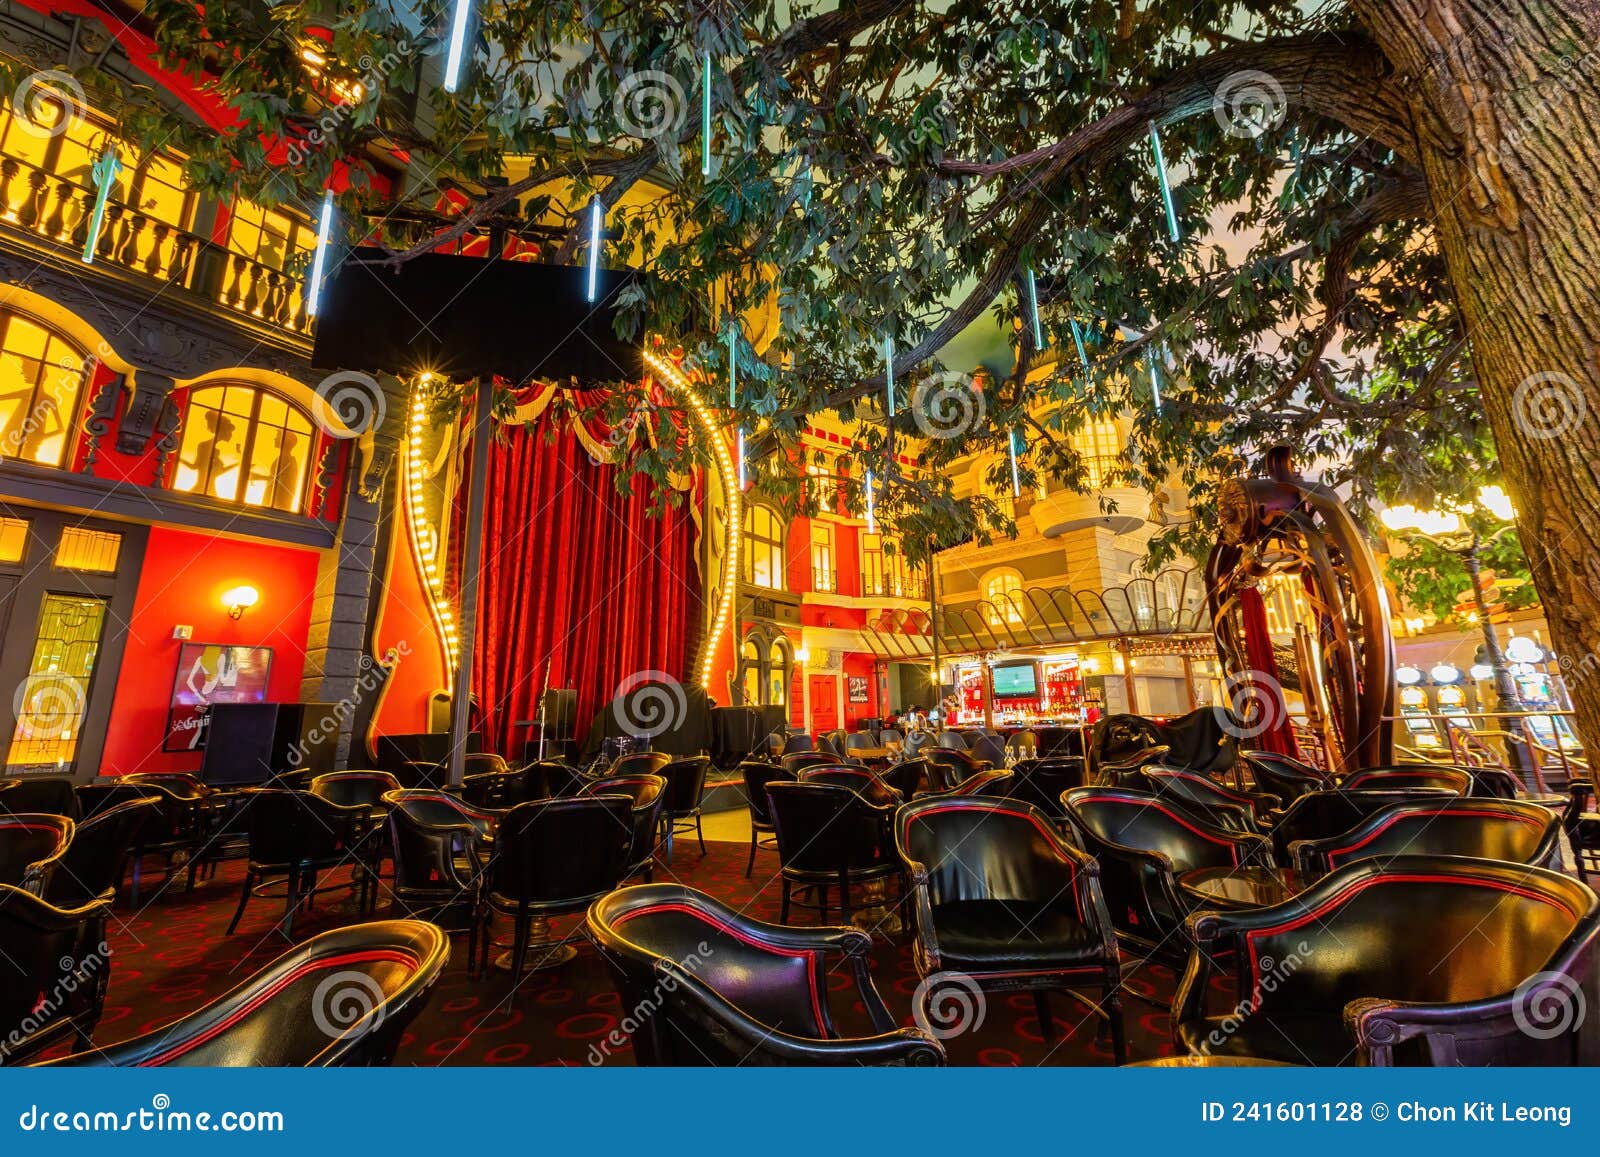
<point x="1278" y="735"/>
<point x="582" y="586"/>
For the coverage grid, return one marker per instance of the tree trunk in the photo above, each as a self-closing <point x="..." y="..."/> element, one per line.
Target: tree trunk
<point x="1505" y="96"/>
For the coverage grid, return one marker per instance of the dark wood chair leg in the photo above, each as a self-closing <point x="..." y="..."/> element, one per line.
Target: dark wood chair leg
<point x="1119" y="1039"/>
<point x="783" y="913"/>
<point x="133" y="897"/>
<point x="750" y="866"/>
<point x="844" y="898"/>
<point x="520" y="948"/>
<point x="700" y="833"/>
<point x="822" y="903"/>
<point x="291" y="903"/>
<point x="1047" y="1024"/>
<point x="244" y="898"/>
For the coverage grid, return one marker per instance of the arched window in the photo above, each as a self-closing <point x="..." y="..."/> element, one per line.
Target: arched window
<point x="778" y="668"/>
<point x="247" y="445"/>
<point x="1100" y="445"/>
<point x="751" y="661"/>
<point x="763" y="547"/>
<point x="766" y="664"/>
<point x="1002" y="590"/>
<point x="42" y="375"/>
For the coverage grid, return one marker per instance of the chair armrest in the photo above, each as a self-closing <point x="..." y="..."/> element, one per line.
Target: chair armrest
<point x="1377" y="1025"/>
<point x="927" y="934"/>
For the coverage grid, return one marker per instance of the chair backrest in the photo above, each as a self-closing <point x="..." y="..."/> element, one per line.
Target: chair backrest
<point x="40" y="795"/>
<point x="953" y="740"/>
<point x="1488" y="829"/>
<point x="492" y="789"/>
<point x="562" y="851"/>
<point x="978" y="848"/>
<point x="649" y="795"/>
<point x="383" y="972"/>
<point x="550" y="779"/>
<point x="423" y="774"/>
<point x="1120" y="739"/>
<point x="948" y="766"/>
<point x="95" y="859"/>
<point x="859" y="740"/>
<point x="1430" y="930"/>
<point x="858" y="779"/>
<point x="757" y="774"/>
<point x="798" y="761"/>
<point x="825" y="828"/>
<point x="291" y="827"/>
<point x="354" y="788"/>
<point x="686" y="782"/>
<point x="640" y="763"/>
<point x="1286" y="778"/>
<point x="1449" y="779"/>
<point x="1317" y="815"/>
<point x="989" y="749"/>
<point x="889" y="735"/>
<point x="31" y="847"/>
<point x="484" y="763"/>
<point x="94" y="798"/>
<point x="426" y="831"/>
<point x="1146" y="823"/>
<point x="907" y="777"/>
<point x="1040" y="782"/>
<point x="1202" y="790"/>
<point x="51" y="953"/>
<point x="796" y="744"/>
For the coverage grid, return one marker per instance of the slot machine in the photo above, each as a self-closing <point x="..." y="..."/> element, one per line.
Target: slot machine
<point x="1421" y="731"/>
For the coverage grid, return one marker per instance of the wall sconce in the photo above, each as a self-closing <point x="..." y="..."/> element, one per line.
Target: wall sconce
<point x="239" y="600"/>
<point x="803" y="655"/>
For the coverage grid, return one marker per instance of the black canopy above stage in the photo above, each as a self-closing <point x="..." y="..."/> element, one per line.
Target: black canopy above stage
<point x="467" y="317"/>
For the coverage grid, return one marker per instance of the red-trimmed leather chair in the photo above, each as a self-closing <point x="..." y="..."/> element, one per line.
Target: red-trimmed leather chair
<point x="1205" y="792"/>
<point x="686" y="789"/>
<point x="343" y="998"/>
<point x="798" y="761"/>
<point x="907" y="777"/>
<point x="40" y="795"/>
<point x="649" y="796"/>
<point x="1419" y="960"/>
<point x="1407" y="778"/>
<point x="827" y="836"/>
<point x="757" y="774"/>
<point x="857" y="779"/>
<point x="1486" y="829"/>
<point x="989" y="783"/>
<point x="181" y="830"/>
<point x="711" y="986"/>
<point x="1320" y="814"/>
<point x="1000" y="897"/>
<point x="97" y="858"/>
<point x="554" y="857"/>
<point x="440" y="845"/>
<point x="31" y="846"/>
<point x="948" y="767"/>
<point x="1040" y="782"/>
<point x="53" y="973"/>
<point x="364" y="790"/>
<point x="1144" y="844"/>
<point x="1283" y="776"/>
<point x="294" y="835"/>
<point x="639" y="763"/>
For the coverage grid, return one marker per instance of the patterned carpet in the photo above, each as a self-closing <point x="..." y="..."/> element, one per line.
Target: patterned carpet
<point x="173" y="956"/>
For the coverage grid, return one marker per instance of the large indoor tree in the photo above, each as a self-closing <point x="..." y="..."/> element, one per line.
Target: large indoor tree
<point x="1383" y="245"/>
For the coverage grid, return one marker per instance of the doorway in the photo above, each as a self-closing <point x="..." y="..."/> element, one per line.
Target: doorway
<point x="67" y="586"/>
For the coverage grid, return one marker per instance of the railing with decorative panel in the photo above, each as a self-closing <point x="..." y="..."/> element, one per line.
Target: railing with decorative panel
<point x="57" y="209"/>
<point x="894" y="586"/>
<point x="824" y="579"/>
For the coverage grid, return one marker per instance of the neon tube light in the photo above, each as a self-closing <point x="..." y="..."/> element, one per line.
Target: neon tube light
<point x="888" y="371"/>
<point x="872" y="509"/>
<point x="319" y="261"/>
<point x="596" y="220"/>
<point x="733" y="368"/>
<point x="1016" y="478"/>
<point x="1166" y="186"/>
<point x="1155" y="383"/>
<point x="1083" y="354"/>
<point x="458" y="44"/>
<point x="1033" y="309"/>
<point x="705" y="115"/>
<point x="105" y="176"/>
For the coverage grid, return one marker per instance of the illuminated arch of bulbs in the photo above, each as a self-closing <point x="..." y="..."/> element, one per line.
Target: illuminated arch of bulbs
<point x="425" y="541"/>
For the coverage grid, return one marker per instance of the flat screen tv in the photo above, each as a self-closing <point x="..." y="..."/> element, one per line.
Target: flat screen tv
<point x="1015" y="681"/>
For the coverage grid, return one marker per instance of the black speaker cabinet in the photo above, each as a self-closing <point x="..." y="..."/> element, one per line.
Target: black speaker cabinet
<point x="249" y="743"/>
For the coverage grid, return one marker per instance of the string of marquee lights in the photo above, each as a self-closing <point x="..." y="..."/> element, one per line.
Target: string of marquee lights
<point x="673" y="377"/>
<point x="425" y="539"/>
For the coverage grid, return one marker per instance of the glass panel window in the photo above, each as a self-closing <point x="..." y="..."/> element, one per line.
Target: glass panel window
<point x="1003" y="592"/>
<point x="763" y="548"/>
<point x="778" y="675"/>
<point x="1100" y="446"/>
<point x="873" y="576"/>
<point x="823" y="485"/>
<point x="90" y="550"/>
<point x="52" y="700"/>
<point x="242" y="444"/>
<point x="41" y="384"/>
<point x="752" y="672"/>
<point x="823" y="577"/>
<point x="275" y="239"/>
<point x="13" y="539"/>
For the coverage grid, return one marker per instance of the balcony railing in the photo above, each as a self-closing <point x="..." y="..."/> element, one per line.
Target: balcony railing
<point x="824" y="579"/>
<point x="894" y="586"/>
<point x="57" y="210"/>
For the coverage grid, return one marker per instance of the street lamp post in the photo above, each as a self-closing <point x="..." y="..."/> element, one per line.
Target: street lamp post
<point x="1448" y="530"/>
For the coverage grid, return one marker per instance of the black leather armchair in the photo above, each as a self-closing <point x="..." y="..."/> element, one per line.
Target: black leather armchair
<point x="31" y="848"/>
<point x="440" y="845"/>
<point x="343" y="998"/>
<point x="857" y="779"/>
<point x="1488" y="829"/>
<point x="1430" y="960"/>
<point x="798" y="761"/>
<point x="827" y="836"/>
<point x="686" y="787"/>
<point x="97" y="858"/>
<point x="757" y="774"/>
<point x="54" y="967"/>
<point x="1002" y="898"/>
<point x="640" y="763"/>
<point x="907" y="777"/>
<point x="1119" y="745"/>
<point x="1203" y="791"/>
<point x="1283" y="776"/>
<point x="1040" y="782"/>
<point x="1320" y="814"/>
<point x="1407" y="778"/>
<point x="722" y="989"/>
<point x="551" y="858"/>
<point x="1143" y="845"/>
<point x="294" y="835"/>
<point x="40" y="795"/>
<point x="948" y="767"/>
<point x="648" y="794"/>
<point x="180" y="831"/>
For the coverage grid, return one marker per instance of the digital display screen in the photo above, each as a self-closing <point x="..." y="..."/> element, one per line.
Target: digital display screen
<point x="1016" y="681"/>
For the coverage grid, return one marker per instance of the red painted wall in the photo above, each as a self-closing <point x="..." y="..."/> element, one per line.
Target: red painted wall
<point x="405" y="621"/>
<point x="182" y="582"/>
<point x="862" y="665"/>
